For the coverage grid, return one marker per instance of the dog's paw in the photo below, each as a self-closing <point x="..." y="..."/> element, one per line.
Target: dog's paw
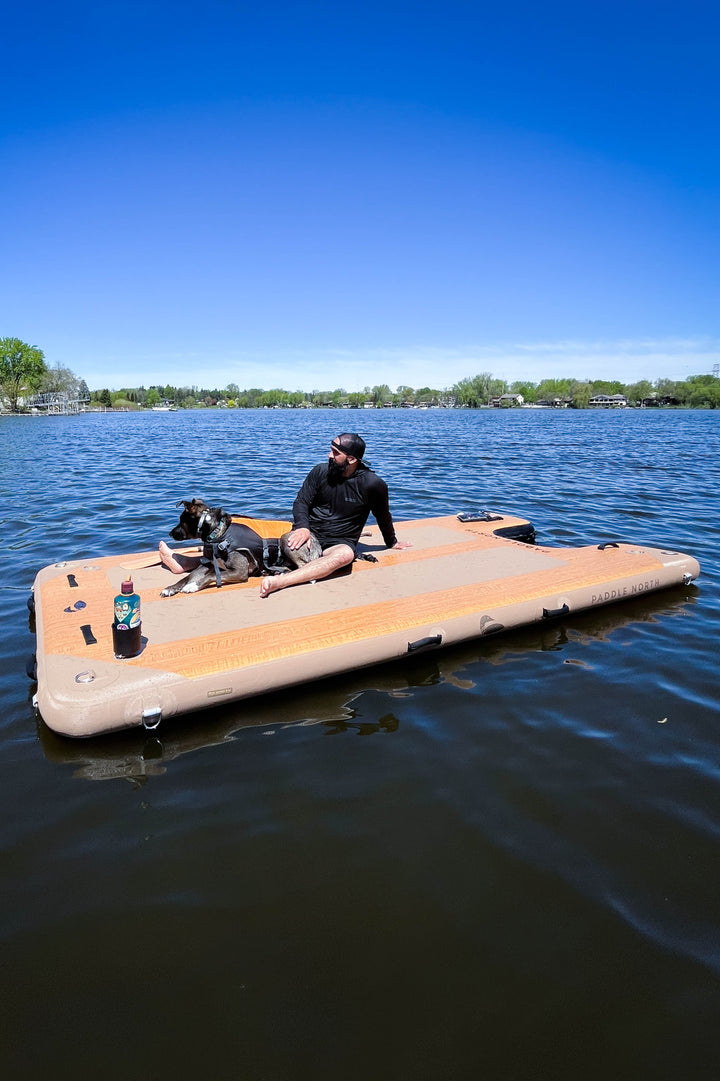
<point x="168" y="592"/>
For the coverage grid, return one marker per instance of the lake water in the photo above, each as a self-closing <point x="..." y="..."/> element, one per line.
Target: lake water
<point x="498" y="862"/>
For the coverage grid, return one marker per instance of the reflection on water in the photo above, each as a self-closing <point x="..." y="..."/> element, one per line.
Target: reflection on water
<point x="496" y="860"/>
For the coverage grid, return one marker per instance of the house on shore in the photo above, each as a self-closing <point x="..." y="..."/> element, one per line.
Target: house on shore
<point x="55" y="403"/>
<point x="608" y="401"/>
<point x="656" y="402"/>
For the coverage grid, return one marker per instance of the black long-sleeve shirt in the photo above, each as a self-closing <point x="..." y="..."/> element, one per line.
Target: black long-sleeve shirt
<point x="337" y="510"/>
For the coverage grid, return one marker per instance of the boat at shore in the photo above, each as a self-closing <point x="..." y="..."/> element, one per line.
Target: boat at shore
<point x="465" y="577"/>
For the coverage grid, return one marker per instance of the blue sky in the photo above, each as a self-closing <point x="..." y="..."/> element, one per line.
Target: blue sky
<point x="318" y="195"/>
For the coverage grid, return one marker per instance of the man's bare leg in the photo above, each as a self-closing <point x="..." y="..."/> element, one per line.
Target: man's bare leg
<point x="331" y="560"/>
<point x="175" y="562"/>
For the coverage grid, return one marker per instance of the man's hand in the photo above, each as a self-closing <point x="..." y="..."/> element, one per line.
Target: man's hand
<point x="297" y="538"/>
<point x="402" y="544"/>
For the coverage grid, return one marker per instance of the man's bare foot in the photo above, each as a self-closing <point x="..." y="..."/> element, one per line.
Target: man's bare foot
<point x="167" y="558"/>
<point x="270" y="585"/>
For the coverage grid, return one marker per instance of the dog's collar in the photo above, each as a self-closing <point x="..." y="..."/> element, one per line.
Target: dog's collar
<point x="219" y="531"/>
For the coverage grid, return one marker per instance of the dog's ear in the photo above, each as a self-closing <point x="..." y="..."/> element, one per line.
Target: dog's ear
<point x="196" y="503"/>
<point x="180" y="503"/>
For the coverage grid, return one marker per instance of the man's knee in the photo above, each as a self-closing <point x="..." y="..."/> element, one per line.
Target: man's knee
<point x="341" y="554"/>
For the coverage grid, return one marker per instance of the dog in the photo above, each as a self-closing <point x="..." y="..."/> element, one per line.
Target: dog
<point x="232" y="551"/>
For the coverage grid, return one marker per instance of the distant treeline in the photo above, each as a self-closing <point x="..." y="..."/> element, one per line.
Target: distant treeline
<point x="26" y="382"/>
<point x="697" y="391"/>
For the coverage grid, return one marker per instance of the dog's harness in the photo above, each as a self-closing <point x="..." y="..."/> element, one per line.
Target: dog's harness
<point x="272" y="553"/>
<point x="228" y="536"/>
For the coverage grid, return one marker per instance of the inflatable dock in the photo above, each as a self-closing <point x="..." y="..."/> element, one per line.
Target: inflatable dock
<point x="464" y="577"/>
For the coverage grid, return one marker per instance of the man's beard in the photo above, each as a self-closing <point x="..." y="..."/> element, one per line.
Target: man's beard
<point x="335" y="471"/>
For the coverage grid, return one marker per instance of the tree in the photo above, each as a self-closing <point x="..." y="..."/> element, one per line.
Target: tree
<point x="270" y="398"/>
<point x="705" y="396"/>
<point x="58" y="380"/>
<point x="528" y="390"/>
<point x="550" y="389"/>
<point x="704" y="392"/>
<point x="475" y="391"/>
<point x="22" y="366"/>
<point x="496" y="388"/>
<point x="153" y="397"/>
<point x="381" y="394"/>
<point x="581" y="395"/>
<point x="608" y="386"/>
<point x="669" y="388"/>
<point x="637" y="391"/>
<point x="61" y="380"/>
<point x="426" y="396"/>
<point x="249" y="398"/>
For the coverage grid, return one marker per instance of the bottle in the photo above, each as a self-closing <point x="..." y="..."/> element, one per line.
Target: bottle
<point x="127" y="640"/>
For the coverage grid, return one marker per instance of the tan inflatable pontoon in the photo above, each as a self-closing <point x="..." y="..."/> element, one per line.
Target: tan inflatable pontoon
<point x="460" y="580"/>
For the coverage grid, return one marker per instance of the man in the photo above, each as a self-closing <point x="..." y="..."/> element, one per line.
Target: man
<point x="332" y="508"/>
